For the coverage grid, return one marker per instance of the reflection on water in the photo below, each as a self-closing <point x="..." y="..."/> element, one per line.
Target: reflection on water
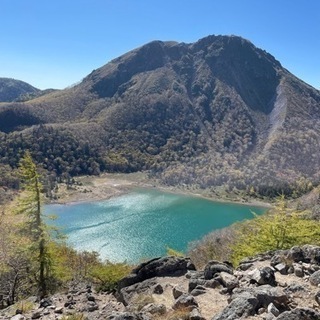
<point x="143" y="223"/>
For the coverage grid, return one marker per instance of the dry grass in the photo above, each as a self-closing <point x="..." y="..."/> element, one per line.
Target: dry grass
<point x="178" y="314"/>
<point x="141" y="300"/>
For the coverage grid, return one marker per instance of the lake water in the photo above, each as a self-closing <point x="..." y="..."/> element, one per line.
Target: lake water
<point x="141" y="224"/>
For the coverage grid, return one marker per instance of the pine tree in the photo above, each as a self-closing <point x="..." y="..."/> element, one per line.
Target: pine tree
<point x="30" y="205"/>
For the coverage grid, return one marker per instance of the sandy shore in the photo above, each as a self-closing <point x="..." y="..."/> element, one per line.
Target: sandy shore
<point x="107" y="186"/>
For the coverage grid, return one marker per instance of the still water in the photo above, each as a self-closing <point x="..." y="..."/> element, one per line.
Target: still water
<point x="141" y="224"/>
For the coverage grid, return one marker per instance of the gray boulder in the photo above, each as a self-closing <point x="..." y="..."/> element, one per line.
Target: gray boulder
<point x="154" y="308"/>
<point x="158" y="267"/>
<point x="198" y="290"/>
<point x="263" y="276"/>
<point x="265" y="294"/>
<point x="317" y="297"/>
<point x="127" y="316"/>
<point x="18" y="317"/>
<point x="195" y="315"/>
<point x="228" y="280"/>
<point x="177" y="292"/>
<point x="125" y="294"/>
<point x="300" y="314"/>
<point x="311" y="253"/>
<point x="315" y="278"/>
<point x="213" y="283"/>
<point x="214" y="267"/>
<point x="273" y="310"/>
<point x="241" y="307"/>
<point x="185" y="301"/>
<point x="296" y="254"/>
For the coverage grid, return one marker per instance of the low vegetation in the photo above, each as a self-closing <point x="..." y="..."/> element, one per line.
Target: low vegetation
<point x="280" y="228"/>
<point x="33" y="260"/>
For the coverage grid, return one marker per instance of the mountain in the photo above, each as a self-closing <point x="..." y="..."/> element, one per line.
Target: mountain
<point x="217" y="112"/>
<point x="12" y="90"/>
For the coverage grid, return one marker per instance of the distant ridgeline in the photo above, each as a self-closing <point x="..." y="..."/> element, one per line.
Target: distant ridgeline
<point x="217" y="112"/>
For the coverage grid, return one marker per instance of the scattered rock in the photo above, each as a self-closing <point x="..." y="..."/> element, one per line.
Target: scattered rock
<point x="195" y="315"/>
<point x="159" y="267"/>
<point x="44" y="303"/>
<point x="241" y="293"/>
<point x="299" y="314"/>
<point x="317" y="297"/>
<point x="315" y="278"/>
<point x="198" y="290"/>
<point x="265" y="294"/>
<point x="127" y="316"/>
<point x="298" y="270"/>
<point x="36" y="315"/>
<point x="185" y="301"/>
<point x="58" y="310"/>
<point x="245" y="266"/>
<point x="18" y="317"/>
<point x="214" y="267"/>
<point x="294" y="288"/>
<point x="158" y="289"/>
<point x="282" y="268"/>
<point x="273" y="309"/>
<point x="311" y="254"/>
<point x="242" y="306"/>
<point x="177" y="292"/>
<point x="91" y="298"/>
<point x="228" y="280"/>
<point x="154" y="308"/>
<point x="264" y="276"/>
<point x="295" y="254"/>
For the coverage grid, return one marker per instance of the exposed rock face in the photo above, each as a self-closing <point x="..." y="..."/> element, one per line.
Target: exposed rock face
<point x="258" y="291"/>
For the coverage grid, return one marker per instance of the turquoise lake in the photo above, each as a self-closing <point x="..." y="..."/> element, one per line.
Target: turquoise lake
<point x="141" y="224"/>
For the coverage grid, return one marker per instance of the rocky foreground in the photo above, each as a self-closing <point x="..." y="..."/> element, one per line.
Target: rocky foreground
<point x="281" y="285"/>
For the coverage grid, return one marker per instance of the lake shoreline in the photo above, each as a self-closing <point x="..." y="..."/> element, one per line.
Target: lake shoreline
<point x="108" y="186"/>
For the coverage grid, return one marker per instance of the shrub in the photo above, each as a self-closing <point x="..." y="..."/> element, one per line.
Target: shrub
<point x="214" y="246"/>
<point x="108" y="275"/>
<point x="281" y="229"/>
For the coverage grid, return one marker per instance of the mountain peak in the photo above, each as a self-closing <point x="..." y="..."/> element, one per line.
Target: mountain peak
<point x="12" y="89"/>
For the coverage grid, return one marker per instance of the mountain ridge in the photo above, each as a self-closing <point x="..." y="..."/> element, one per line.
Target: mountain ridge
<point x="217" y="112"/>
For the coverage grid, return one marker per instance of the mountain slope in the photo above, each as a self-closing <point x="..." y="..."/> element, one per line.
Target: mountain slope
<point x="216" y="112"/>
<point x="11" y="89"/>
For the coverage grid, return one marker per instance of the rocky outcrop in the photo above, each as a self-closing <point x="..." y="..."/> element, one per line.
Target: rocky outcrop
<point x="266" y="287"/>
<point x="159" y="267"/>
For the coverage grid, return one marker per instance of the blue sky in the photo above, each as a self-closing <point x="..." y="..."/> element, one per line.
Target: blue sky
<point x="55" y="43"/>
